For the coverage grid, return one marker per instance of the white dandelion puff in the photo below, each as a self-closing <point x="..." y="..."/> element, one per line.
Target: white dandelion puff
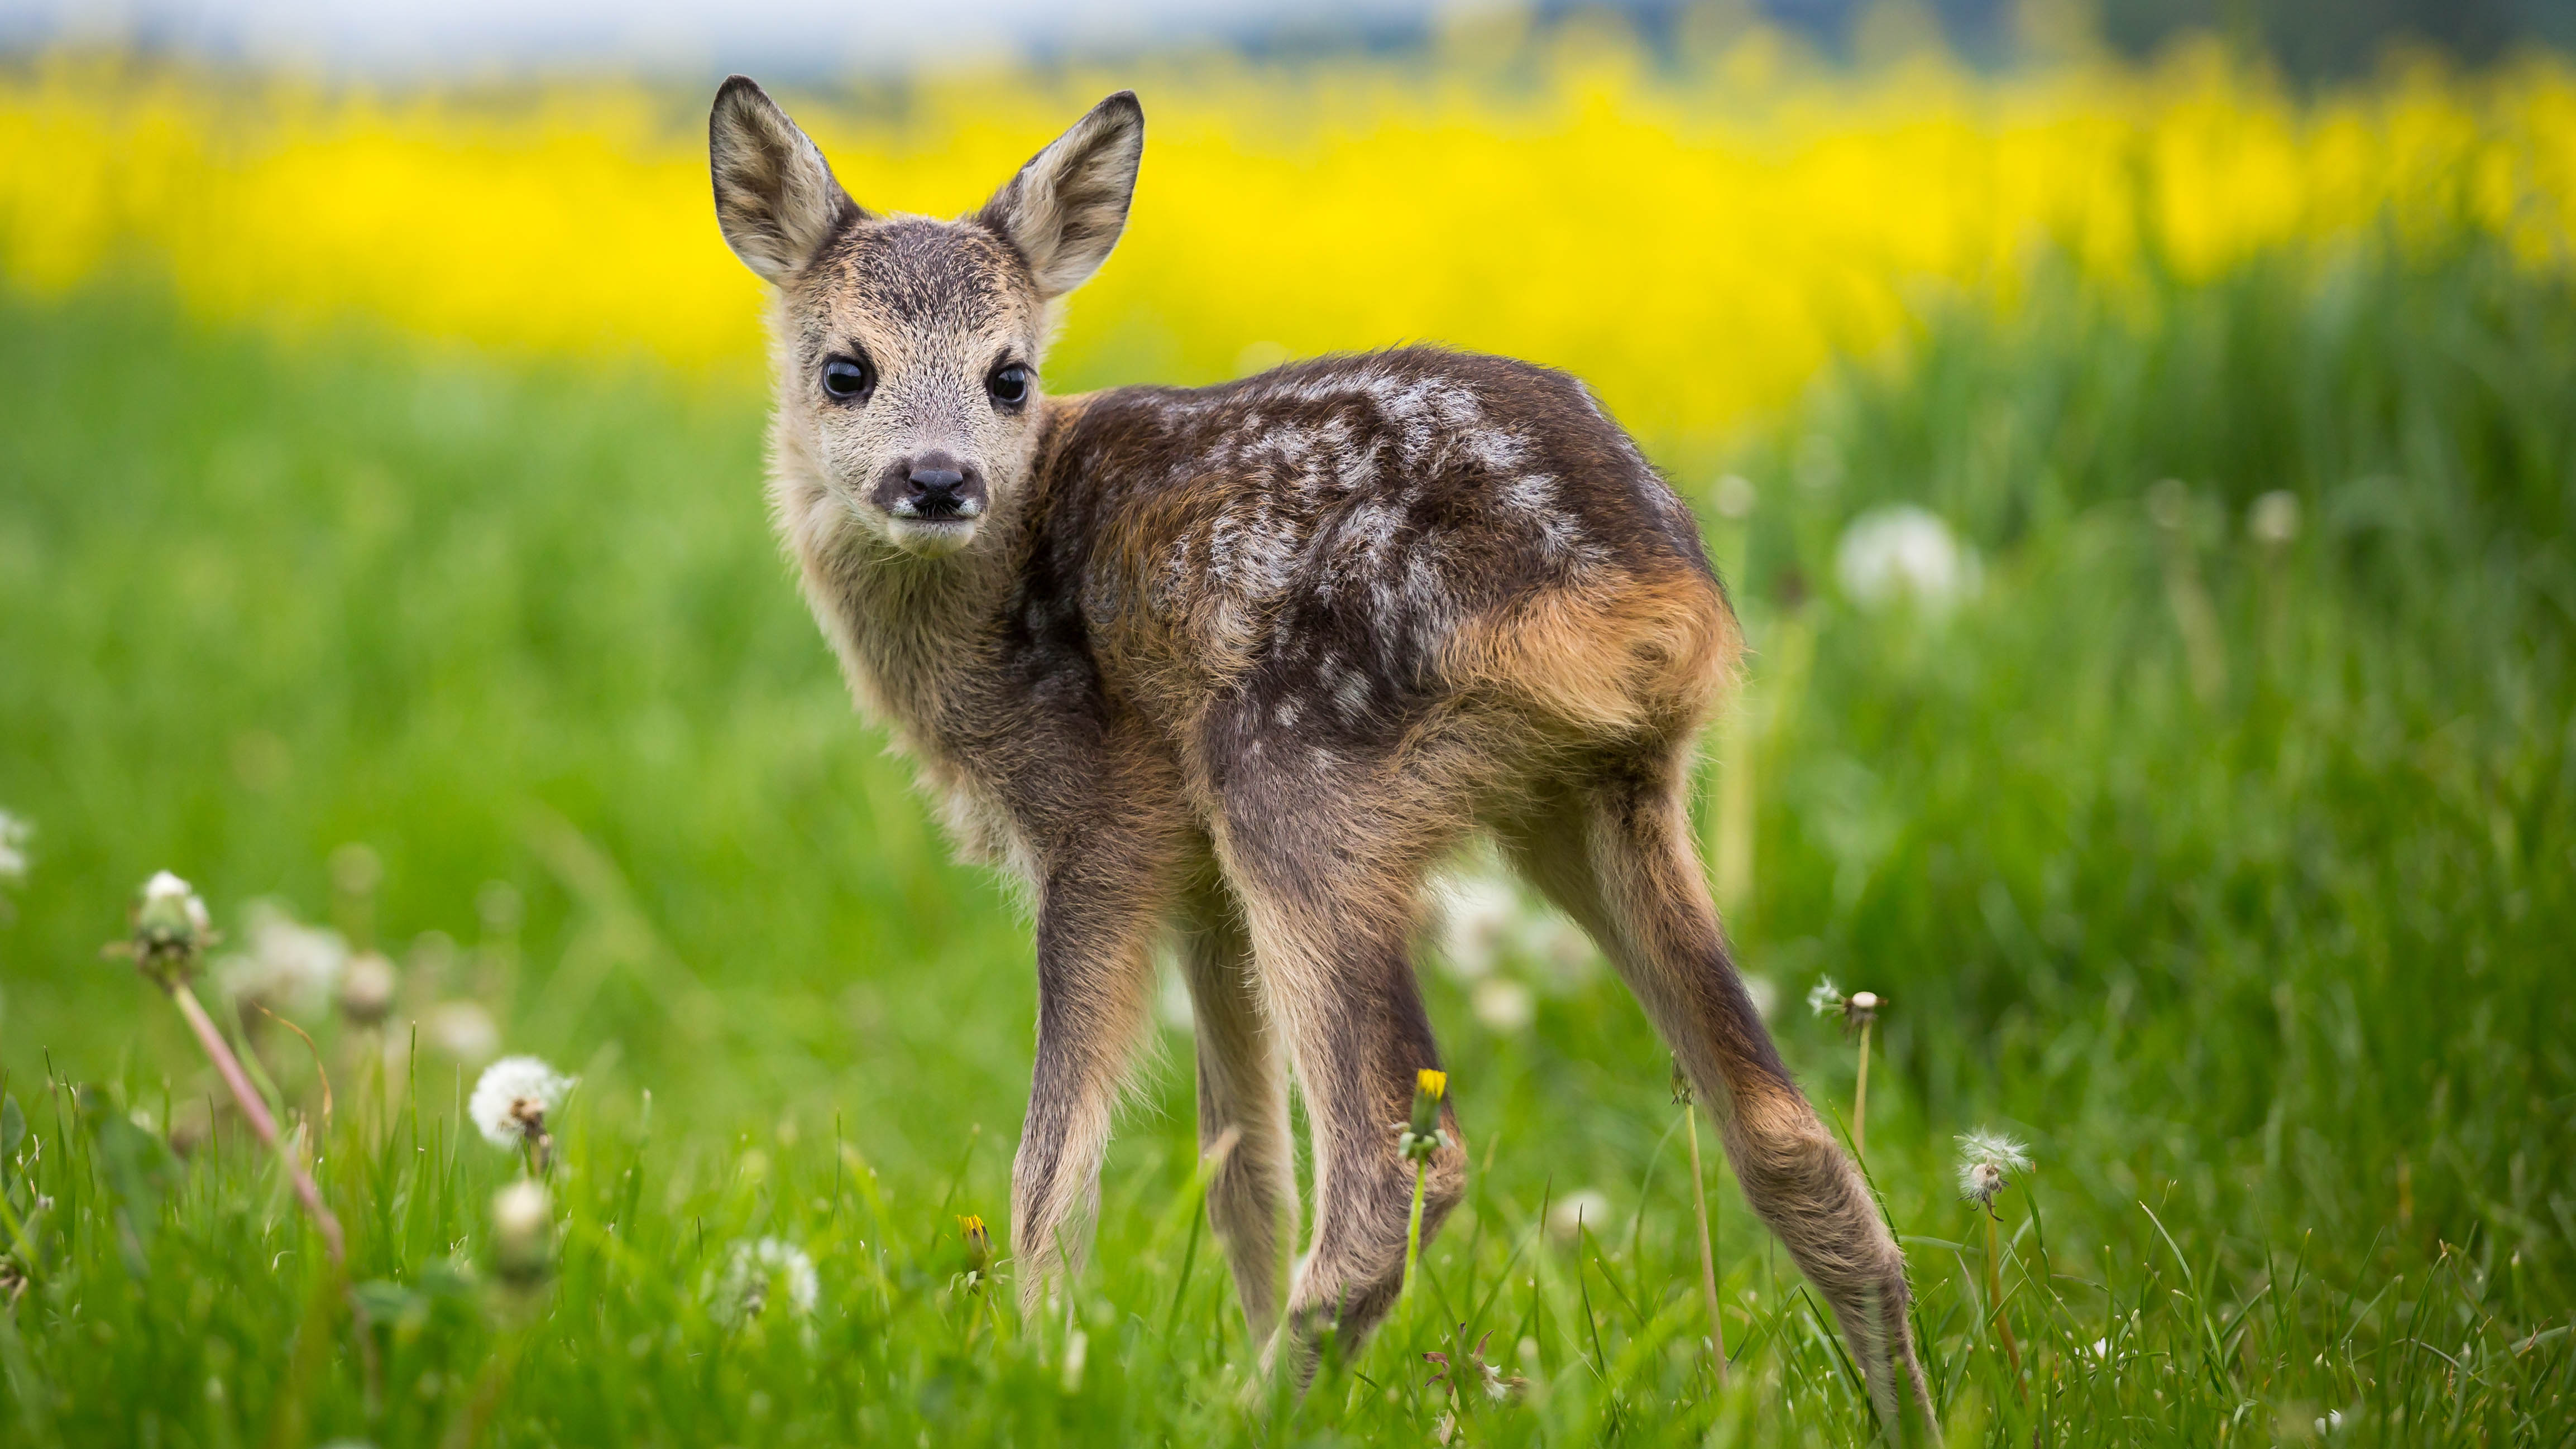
<point x="167" y="897"/>
<point x="758" y="1268"/>
<point x="1585" y="1210"/>
<point x="1734" y="496"/>
<point x="1825" y="998"/>
<point x="1905" y="552"/>
<point x="367" y="988"/>
<point x="14" y="835"/>
<point x="512" y="1099"/>
<point x="1987" y="1161"/>
<point x="522" y="1230"/>
<point x="463" y="1030"/>
<point x="289" y="964"/>
<point x="1479" y="916"/>
<point x="2274" y="518"/>
<point x="1504" y="1006"/>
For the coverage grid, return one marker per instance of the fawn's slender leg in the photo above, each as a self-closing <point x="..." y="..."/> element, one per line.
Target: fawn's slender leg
<point x="1243" y="1086"/>
<point x="1616" y="854"/>
<point x="1330" y="926"/>
<point x="1099" y="909"/>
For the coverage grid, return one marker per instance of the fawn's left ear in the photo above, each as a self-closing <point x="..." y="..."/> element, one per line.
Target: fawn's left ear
<point x="1064" y="211"/>
<point x="775" y="196"/>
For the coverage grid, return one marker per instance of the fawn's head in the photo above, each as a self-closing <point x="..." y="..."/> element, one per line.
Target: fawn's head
<point x="907" y="349"/>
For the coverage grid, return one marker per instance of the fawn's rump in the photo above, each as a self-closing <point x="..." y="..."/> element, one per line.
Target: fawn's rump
<point x="1626" y="657"/>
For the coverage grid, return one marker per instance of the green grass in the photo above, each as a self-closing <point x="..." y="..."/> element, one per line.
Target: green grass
<point x="2236" y="877"/>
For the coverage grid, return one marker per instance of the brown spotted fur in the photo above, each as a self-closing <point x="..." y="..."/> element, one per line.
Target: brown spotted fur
<point x="1242" y="664"/>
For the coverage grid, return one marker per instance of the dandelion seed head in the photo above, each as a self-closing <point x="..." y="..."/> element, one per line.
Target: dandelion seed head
<point x="1987" y="1161"/>
<point x="167" y="897"/>
<point x="1980" y="1181"/>
<point x="1903" y="552"/>
<point x="1583" y="1210"/>
<point x="1505" y="1007"/>
<point x="14" y="835"/>
<point x="1825" y="998"/>
<point x="367" y="988"/>
<point x="754" y="1269"/>
<point x="290" y="965"/>
<point x="171" y="931"/>
<point x="2274" y="518"/>
<point x="1478" y="916"/>
<point x="512" y="1099"/>
<point x="1734" y="496"/>
<point x="463" y="1030"/>
<point x="521" y="1209"/>
<point x="523" y="1223"/>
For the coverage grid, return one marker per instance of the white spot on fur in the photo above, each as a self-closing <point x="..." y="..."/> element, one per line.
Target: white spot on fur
<point x="1534" y="496"/>
<point x="1351" y="696"/>
<point x="1499" y="450"/>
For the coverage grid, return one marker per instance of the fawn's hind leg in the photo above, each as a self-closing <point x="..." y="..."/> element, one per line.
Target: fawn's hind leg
<point x="1328" y="886"/>
<point x="1616" y="854"/>
<point x="1243" y="1087"/>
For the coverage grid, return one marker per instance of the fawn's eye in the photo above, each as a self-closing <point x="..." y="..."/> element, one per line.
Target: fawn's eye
<point x="849" y="378"/>
<point x="1009" y="384"/>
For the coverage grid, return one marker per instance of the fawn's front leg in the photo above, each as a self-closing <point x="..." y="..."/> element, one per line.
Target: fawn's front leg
<point x="1099" y="907"/>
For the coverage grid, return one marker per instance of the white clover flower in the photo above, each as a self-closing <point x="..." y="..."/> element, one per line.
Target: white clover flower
<point x="1987" y="1160"/>
<point x="512" y="1098"/>
<point x="755" y="1268"/>
<point x="1905" y="552"/>
<point x="289" y="964"/>
<point x="14" y="835"/>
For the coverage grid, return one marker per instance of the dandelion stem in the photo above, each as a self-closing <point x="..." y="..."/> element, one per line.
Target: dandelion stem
<point x="1707" y="1248"/>
<point x="1860" y="1097"/>
<point x="255" y="1112"/>
<point x="1413" y="1239"/>
<point x="1995" y="1299"/>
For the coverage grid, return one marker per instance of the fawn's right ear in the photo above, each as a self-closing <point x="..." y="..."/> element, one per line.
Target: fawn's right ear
<point x="775" y="197"/>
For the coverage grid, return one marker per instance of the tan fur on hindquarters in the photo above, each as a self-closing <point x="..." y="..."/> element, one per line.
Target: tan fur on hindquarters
<point x="1245" y="660"/>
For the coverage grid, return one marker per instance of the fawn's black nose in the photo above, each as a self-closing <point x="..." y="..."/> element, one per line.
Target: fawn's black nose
<point x="931" y="487"/>
<point x="936" y="484"/>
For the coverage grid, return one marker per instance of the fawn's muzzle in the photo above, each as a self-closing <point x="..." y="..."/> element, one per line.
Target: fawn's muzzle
<point x="931" y="488"/>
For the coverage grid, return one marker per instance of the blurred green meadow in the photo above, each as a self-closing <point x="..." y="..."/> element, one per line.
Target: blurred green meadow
<point x="2203" y="814"/>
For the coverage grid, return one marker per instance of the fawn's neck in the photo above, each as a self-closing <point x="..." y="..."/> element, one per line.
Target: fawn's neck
<point x="918" y="636"/>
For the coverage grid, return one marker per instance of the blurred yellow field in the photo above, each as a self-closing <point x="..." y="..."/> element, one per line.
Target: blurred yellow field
<point x="1695" y="239"/>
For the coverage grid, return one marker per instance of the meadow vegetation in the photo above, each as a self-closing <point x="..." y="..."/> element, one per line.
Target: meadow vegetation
<point x="2190" y="777"/>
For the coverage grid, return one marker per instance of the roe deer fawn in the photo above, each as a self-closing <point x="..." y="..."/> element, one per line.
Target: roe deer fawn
<point x="1246" y="661"/>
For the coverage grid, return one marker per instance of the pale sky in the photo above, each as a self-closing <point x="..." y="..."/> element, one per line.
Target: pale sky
<point x="473" y="36"/>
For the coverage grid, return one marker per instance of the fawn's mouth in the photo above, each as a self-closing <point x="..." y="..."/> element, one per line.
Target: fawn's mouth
<point x="932" y="536"/>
